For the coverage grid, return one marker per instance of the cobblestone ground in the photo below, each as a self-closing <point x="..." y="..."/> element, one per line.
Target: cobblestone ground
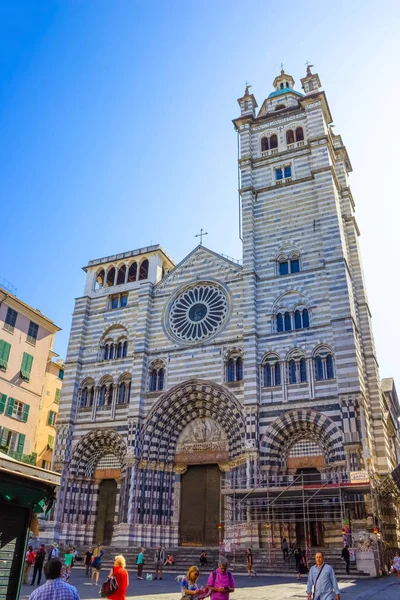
<point x="255" y="588"/>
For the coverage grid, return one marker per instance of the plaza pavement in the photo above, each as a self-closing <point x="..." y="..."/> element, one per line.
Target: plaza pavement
<point x="262" y="587"/>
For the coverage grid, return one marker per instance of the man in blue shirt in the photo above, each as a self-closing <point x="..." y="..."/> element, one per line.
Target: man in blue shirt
<point x="323" y="578"/>
<point x="54" y="588"/>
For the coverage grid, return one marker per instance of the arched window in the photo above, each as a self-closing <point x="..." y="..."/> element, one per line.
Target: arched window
<point x="239" y="369"/>
<point x="329" y="367"/>
<point x="102" y="395"/>
<point x="292" y="371"/>
<point x="160" y="379"/>
<point x="272" y="372"/>
<point x="144" y="269"/>
<point x="277" y="373"/>
<point x="282" y="86"/>
<point x="132" y="273"/>
<point x="279" y="106"/>
<point x="106" y="352"/>
<point x="153" y="380"/>
<point x="303" y="370"/>
<point x="121" y="275"/>
<point x="299" y="134"/>
<point x="100" y="279"/>
<point x="264" y="144"/>
<point x="306" y="318"/>
<point x="283" y="267"/>
<point x="323" y="365"/>
<point x="84" y="396"/>
<point x="111" y="352"/>
<point x="273" y="142"/>
<point x="110" y="277"/>
<point x="91" y="397"/>
<point x="319" y="370"/>
<point x="119" y="350"/>
<point x="294" y="265"/>
<point x="267" y="375"/>
<point x="279" y="322"/>
<point x="231" y="370"/>
<point x="109" y="394"/>
<point x="125" y="350"/>
<point x="297" y="320"/>
<point x="121" y="393"/>
<point x="289" y="137"/>
<point x="288" y="321"/>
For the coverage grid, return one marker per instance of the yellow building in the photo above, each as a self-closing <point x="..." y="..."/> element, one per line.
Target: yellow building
<point x="26" y="353"/>
<point x="46" y="426"/>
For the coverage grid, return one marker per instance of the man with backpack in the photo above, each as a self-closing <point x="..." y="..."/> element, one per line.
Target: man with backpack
<point x="38" y="565"/>
<point x="220" y="581"/>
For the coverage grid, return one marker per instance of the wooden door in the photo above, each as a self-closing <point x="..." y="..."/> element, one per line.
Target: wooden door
<point x="106" y="512"/>
<point x="200" y="505"/>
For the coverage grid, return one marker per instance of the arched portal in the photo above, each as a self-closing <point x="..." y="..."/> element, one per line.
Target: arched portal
<point x="295" y="425"/>
<point x="191" y="432"/>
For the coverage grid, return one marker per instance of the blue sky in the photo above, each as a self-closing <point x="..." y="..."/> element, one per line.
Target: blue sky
<point x="116" y="132"/>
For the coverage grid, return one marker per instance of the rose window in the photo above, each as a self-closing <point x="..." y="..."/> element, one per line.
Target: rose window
<point x="198" y="313"/>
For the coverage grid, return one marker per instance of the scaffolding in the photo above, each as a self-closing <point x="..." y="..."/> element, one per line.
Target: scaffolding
<point x="311" y="510"/>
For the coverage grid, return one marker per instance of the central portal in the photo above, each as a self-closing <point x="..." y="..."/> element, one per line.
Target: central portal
<point x="200" y="505"/>
<point x="106" y="512"/>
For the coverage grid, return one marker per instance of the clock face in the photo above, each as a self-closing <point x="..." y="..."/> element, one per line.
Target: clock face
<point x="198" y="312"/>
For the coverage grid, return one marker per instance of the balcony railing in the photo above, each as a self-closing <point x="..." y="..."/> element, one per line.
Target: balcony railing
<point x="29" y="459"/>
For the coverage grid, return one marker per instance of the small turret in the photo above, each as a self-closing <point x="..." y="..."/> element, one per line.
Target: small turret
<point x="247" y="103"/>
<point x="310" y="83"/>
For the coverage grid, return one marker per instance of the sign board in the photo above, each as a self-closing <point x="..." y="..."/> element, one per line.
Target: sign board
<point x="359" y="477"/>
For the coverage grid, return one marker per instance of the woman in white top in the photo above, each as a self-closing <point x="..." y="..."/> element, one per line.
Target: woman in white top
<point x="396" y="564"/>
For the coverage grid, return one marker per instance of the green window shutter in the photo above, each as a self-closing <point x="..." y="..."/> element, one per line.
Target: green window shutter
<point x="25" y="413"/>
<point x="21" y="443"/>
<point x="3" y="398"/>
<point x="50" y="418"/>
<point x="26" y="366"/>
<point x="4" y="354"/>
<point x="50" y="442"/>
<point x="10" y="407"/>
<point x="4" y="437"/>
<point x="58" y="394"/>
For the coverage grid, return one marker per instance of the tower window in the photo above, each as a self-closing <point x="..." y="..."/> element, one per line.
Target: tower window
<point x="289" y="137"/>
<point x="288" y="171"/>
<point x="288" y="321"/>
<point x="273" y="142"/>
<point x="299" y="134"/>
<point x="323" y="366"/>
<point x="297" y="371"/>
<point x="264" y="144"/>
<point x="282" y="86"/>
<point x="278" y="174"/>
<point x="294" y="265"/>
<point x="288" y="265"/>
<point x="279" y="322"/>
<point x="280" y="107"/>
<point x="283" y="173"/>
<point x="284" y="267"/>
<point x="272" y="372"/>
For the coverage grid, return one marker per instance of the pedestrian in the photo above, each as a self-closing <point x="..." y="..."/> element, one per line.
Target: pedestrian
<point x="323" y="578"/>
<point x="55" y="587"/>
<point x="203" y="558"/>
<point x="53" y="552"/>
<point x="96" y="563"/>
<point x="68" y="563"/>
<point x="188" y="582"/>
<point x="88" y="562"/>
<point x="346" y="558"/>
<point x="250" y="569"/>
<point x="121" y="575"/>
<point x="297" y="557"/>
<point x="396" y="564"/>
<point x="169" y="561"/>
<point x="29" y="560"/>
<point x="159" y="557"/>
<point x="221" y="581"/>
<point x="285" y="549"/>
<point x="140" y="563"/>
<point x="38" y="564"/>
<point x="302" y="568"/>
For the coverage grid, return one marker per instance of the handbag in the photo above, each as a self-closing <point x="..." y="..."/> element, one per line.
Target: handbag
<point x="109" y="586"/>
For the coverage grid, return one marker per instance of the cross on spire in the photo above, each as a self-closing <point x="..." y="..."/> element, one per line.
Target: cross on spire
<point x="308" y="65"/>
<point x="282" y="71"/>
<point x="200" y="235"/>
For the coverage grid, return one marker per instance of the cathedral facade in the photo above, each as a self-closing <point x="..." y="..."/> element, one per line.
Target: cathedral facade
<point x="216" y="399"/>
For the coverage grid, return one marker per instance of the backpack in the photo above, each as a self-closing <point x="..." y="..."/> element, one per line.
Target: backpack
<point x="109" y="586"/>
<point x="229" y="575"/>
